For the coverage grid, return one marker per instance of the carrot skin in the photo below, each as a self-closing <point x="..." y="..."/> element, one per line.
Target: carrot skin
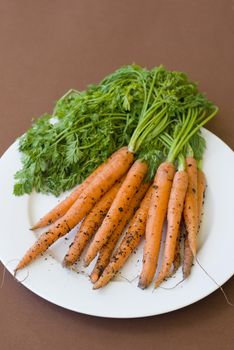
<point x="191" y="205"/>
<point x="188" y="255"/>
<point x="130" y="242"/>
<point x="118" y="209"/>
<point x="188" y="259"/>
<point x="90" y="224"/>
<point x="177" y="257"/>
<point x="174" y="215"/>
<point x="66" y="204"/>
<point x="154" y="226"/>
<point x="61" y="208"/>
<point x="102" y="183"/>
<point x="107" y="249"/>
<point x="201" y="188"/>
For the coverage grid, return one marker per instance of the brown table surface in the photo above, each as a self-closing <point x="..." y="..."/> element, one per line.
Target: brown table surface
<point x="47" y="47"/>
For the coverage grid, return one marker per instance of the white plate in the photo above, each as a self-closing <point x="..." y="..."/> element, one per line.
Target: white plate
<point x="121" y="299"/>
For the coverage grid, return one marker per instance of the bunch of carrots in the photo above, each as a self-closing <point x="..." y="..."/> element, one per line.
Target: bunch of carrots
<point x="158" y="178"/>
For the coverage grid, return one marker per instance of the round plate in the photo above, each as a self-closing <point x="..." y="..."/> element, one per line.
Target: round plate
<point x="72" y="289"/>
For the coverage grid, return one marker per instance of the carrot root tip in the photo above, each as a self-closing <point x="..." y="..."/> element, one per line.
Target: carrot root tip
<point x="186" y="274"/>
<point x="141" y="285"/>
<point x="95" y="287"/>
<point x="86" y="263"/>
<point x="65" y="263"/>
<point x="94" y="278"/>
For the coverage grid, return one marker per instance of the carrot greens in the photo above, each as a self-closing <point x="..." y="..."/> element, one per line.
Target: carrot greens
<point x="131" y="106"/>
<point x="62" y="149"/>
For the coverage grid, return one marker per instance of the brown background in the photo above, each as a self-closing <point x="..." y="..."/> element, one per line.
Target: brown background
<point x="47" y="47"/>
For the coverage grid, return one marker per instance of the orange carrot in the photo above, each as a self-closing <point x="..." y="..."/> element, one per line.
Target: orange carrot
<point x="177" y="257"/>
<point x="62" y="207"/>
<point x="66" y="204"/>
<point x="201" y="187"/>
<point x="191" y="204"/>
<point x="188" y="255"/>
<point x="156" y="216"/>
<point x="188" y="258"/>
<point x="90" y="224"/>
<point x="118" y="209"/>
<point x="175" y="210"/>
<point x="90" y="195"/>
<point x="107" y="249"/>
<point x="130" y="242"/>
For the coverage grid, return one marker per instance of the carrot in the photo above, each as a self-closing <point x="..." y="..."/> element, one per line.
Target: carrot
<point x="177" y="257"/>
<point x="201" y="187"/>
<point x="118" y="209"/>
<point x="130" y="241"/>
<point x="188" y="259"/>
<point x="191" y="204"/>
<point x="107" y="249"/>
<point x="66" y="204"/>
<point x="188" y="255"/>
<point x="90" y="224"/>
<point x="156" y="216"/>
<point x="175" y="210"/>
<point x="90" y="195"/>
<point x="62" y="207"/>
